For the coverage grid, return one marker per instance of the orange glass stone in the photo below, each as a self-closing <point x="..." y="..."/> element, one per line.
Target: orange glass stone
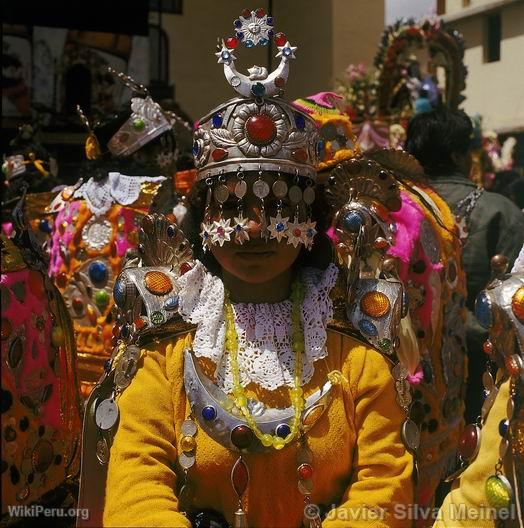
<point x="158" y="283"/>
<point x="312" y="415"/>
<point x="375" y="304"/>
<point x="517" y="304"/>
<point x="514" y="365"/>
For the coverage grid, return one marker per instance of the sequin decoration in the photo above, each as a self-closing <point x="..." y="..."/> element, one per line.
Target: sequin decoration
<point x="158" y="283"/>
<point x="375" y="304"/>
<point x="97" y="233"/>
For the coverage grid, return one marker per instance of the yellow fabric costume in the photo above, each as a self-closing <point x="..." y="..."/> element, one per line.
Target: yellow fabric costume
<point x="360" y="463"/>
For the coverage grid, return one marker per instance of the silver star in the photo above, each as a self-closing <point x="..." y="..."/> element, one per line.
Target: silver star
<point x="206" y="235"/>
<point x="225" y="56"/>
<point x="295" y="232"/>
<point x="309" y="233"/>
<point x="278" y="227"/>
<point x="287" y="51"/>
<point x="241" y="229"/>
<point x="221" y="231"/>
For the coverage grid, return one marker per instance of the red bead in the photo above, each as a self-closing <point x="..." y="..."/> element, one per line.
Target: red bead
<point x="300" y="155"/>
<point x="488" y="347"/>
<point x="77" y="304"/>
<point x="305" y="472"/>
<point x="116" y="330"/>
<point x="219" y="154"/>
<point x="240" y="477"/>
<point x="280" y="82"/>
<point x="114" y="250"/>
<point x="297" y="232"/>
<point x="231" y="43"/>
<point x="261" y="129"/>
<point x="61" y="280"/>
<point x="280" y="39"/>
<point x="184" y="268"/>
<point x="260" y="12"/>
<point x="241" y="436"/>
<point x="246" y="13"/>
<point x="514" y="365"/>
<point x="139" y="323"/>
<point x="469" y="442"/>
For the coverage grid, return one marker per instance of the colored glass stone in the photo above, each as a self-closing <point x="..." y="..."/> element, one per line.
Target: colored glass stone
<point x="260" y="12"/>
<point x="209" y="413"/>
<point x="125" y="331"/>
<point x="219" y="154"/>
<point x="286" y="52"/>
<point x="249" y="43"/>
<point x="312" y="415"/>
<point x="367" y="327"/>
<point x="101" y="298"/>
<point x="517" y="304"/>
<point x="225" y="55"/>
<point x="184" y="268"/>
<point x="7" y="328"/>
<point x="44" y="226"/>
<point x="269" y="21"/>
<point x="280" y="227"/>
<point x="187" y="443"/>
<point x="258" y="89"/>
<point x="139" y="323"/>
<point x="157" y="318"/>
<point x="280" y="39"/>
<point x="300" y="121"/>
<point x="158" y="283"/>
<point x="263" y="42"/>
<point x="282" y="430"/>
<point x="246" y="13"/>
<point x="91" y="314"/>
<point x="240" y="477"/>
<point x="237" y="23"/>
<point x="107" y="365"/>
<point x="196" y="148"/>
<point x="352" y="222"/>
<point x="138" y="124"/>
<point x="217" y="120"/>
<point x="61" y="280"/>
<point x="514" y="365"/>
<point x="240" y="35"/>
<point x="305" y="471"/>
<point x="498" y="492"/>
<point x="469" y="441"/>
<point x="78" y="304"/>
<point x="503" y="427"/>
<point x="375" y="304"/>
<point x="488" y="347"/>
<point x="280" y="82"/>
<point x="171" y="303"/>
<point x="483" y="310"/>
<point x="241" y="436"/>
<point x="119" y="292"/>
<point x="300" y="155"/>
<point x="98" y="272"/>
<point x="260" y="129"/>
<point x="231" y="43"/>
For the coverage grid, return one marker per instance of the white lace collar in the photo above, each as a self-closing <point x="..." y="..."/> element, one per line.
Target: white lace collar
<point x="116" y="188"/>
<point x="264" y="330"/>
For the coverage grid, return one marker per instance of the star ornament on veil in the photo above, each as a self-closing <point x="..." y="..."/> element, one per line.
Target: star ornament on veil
<point x="221" y="231"/>
<point x="278" y="227"/>
<point x="225" y="55"/>
<point x="295" y="232"/>
<point x="287" y="51"/>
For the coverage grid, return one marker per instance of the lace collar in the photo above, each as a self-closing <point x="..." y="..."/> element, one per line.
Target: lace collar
<point x="264" y="330"/>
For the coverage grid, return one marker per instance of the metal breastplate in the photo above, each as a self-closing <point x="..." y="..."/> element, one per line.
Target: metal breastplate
<point x="207" y="401"/>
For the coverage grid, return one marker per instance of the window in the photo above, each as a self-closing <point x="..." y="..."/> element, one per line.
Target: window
<point x="492" y="35"/>
<point x="466" y="3"/>
<point x="158" y="54"/>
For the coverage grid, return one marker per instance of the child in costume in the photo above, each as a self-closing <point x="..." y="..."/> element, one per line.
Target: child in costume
<point x="488" y="491"/>
<point x="239" y="393"/>
<point x="95" y="220"/>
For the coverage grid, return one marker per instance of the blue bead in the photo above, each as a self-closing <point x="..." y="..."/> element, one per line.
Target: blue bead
<point x="98" y="272"/>
<point x="237" y="23"/>
<point x="352" y="222"/>
<point x="426" y="369"/>
<point x="286" y="52"/>
<point x="171" y="303"/>
<point x="196" y="148"/>
<point x="270" y="32"/>
<point x="280" y="227"/>
<point x="217" y="120"/>
<point x="249" y="43"/>
<point x="107" y="365"/>
<point x="171" y="231"/>
<point x="282" y="430"/>
<point x="263" y="42"/>
<point x="310" y="233"/>
<point x="209" y="413"/>
<point x="44" y="226"/>
<point x="321" y="147"/>
<point x="300" y="121"/>
<point x="258" y="89"/>
<point x="225" y="55"/>
<point x="238" y="228"/>
<point x="269" y="21"/>
<point x="119" y="292"/>
<point x="240" y="35"/>
<point x="483" y="310"/>
<point x="367" y="327"/>
<point x="503" y="428"/>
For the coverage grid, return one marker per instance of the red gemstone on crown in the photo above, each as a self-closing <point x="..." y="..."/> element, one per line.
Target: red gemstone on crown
<point x="280" y="82"/>
<point x="241" y="436"/>
<point x="300" y="155"/>
<point x="488" y="347"/>
<point x="219" y="154"/>
<point x="184" y="268"/>
<point x="260" y="12"/>
<point x="305" y="472"/>
<point x="246" y="13"/>
<point x="280" y="39"/>
<point x="260" y="129"/>
<point x="468" y="442"/>
<point x="232" y="43"/>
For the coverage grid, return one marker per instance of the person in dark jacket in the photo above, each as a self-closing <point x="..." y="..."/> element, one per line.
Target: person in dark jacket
<point x="488" y="223"/>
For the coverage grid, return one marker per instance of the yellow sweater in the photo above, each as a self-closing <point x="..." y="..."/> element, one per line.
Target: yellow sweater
<point x="359" y="459"/>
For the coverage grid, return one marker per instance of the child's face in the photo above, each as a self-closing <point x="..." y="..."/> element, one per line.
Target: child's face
<point x="259" y="259"/>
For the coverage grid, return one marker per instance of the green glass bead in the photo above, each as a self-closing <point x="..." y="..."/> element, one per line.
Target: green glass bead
<point x="498" y="492"/>
<point x="138" y="124"/>
<point x="101" y="298"/>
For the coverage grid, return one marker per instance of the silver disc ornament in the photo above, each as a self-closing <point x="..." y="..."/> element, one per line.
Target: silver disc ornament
<point x="102" y="451"/>
<point x="295" y="194"/>
<point x="308" y="195"/>
<point x="279" y="189"/>
<point x="240" y="189"/>
<point x="221" y="193"/>
<point x="106" y="414"/>
<point x="260" y="189"/>
<point x="410" y="435"/>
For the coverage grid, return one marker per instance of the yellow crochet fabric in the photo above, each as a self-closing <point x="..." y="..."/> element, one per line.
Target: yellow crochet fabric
<point x="466" y="505"/>
<point x="360" y="464"/>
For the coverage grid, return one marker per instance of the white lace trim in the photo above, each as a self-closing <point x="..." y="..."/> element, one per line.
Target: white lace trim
<point x="116" y="188"/>
<point x="264" y="330"/>
<point x="518" y="265"/>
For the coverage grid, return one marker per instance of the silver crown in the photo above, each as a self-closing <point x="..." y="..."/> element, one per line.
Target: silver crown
<point x="258" y="131"/>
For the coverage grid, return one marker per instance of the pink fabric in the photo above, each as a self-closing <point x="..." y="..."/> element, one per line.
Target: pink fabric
<point x="66" y="214"/>
<point x="7" y="229"/>
<point x="370" y="135"/>
<point x="35" y="371"/>
<point x="416" y="377"/>
<point x="122" y="241"/>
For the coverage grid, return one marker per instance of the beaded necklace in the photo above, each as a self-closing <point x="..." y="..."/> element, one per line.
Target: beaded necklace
<point x="296" y="393"/>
